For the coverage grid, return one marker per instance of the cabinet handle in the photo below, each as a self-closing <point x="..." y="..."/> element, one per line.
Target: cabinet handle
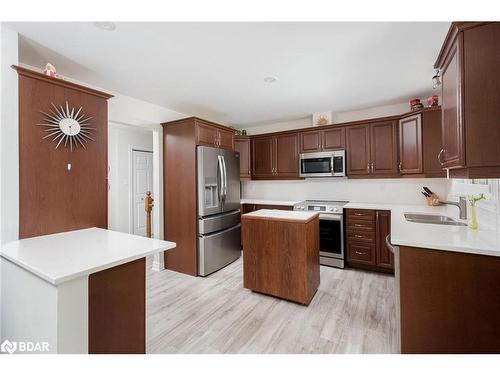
<point x="359" y="236"/>
<point x="358" y="214"/>
<point x="360" y="252"/>
<point x="400" y="166"/>
<point x="359" y="225"/>
<point x="439" y="156"/>
<point x="368" y="167"/>
<point x="372" y="167"/>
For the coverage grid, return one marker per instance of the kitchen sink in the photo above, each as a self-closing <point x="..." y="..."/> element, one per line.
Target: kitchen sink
<point x="432" y="219"/>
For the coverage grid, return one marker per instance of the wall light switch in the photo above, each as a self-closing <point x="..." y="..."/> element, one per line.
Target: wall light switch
<point x="69" y="167"/>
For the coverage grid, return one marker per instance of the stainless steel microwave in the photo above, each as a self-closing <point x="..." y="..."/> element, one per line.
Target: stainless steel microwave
<point x="322" y="164"/>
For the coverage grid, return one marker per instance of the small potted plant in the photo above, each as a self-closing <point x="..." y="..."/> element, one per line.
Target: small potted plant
<point x="473" y="199"/>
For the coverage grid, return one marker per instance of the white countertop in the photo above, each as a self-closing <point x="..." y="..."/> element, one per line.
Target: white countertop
<point x="61" y="257"/>
<point x="282" y="214"/>
<point x="270" y="202"/>
<point x="482" y="241"/>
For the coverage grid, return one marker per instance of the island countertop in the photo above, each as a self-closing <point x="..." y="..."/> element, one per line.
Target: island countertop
<point x="299" y="216"/>
<point x="61" y="257"/>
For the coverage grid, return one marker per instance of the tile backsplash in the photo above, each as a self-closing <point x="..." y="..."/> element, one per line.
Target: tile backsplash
<point x="400" y="191"/>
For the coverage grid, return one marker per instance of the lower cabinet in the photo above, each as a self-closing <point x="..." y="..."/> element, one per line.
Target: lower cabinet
<point x="365" y="247"/>
<point x="250" y="207"/>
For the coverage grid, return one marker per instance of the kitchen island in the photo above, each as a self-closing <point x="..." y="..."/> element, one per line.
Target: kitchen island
<point x="81" y="291"/>
<point x="281" y="253"/>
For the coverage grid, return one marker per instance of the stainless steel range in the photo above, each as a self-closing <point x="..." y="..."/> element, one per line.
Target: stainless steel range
<point x="331" y="229"/>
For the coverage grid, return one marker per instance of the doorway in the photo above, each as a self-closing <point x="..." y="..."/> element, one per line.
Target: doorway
<point x="142" y="182"/>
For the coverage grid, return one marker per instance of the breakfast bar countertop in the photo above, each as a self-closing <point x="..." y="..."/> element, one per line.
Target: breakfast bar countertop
<point x="61" y="257"/>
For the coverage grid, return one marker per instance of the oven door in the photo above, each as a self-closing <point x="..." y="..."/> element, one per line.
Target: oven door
<point x="331" y="236"/>
<point x="316" y="165"/>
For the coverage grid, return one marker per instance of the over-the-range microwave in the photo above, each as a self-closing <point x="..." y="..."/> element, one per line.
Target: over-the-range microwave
<point x="322" y="164"/>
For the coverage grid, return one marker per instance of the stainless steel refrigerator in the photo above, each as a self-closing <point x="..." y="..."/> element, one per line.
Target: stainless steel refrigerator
<point x="219" y="232"/>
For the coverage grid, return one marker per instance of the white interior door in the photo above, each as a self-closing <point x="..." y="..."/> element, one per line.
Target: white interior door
<point x="142" y="181"/>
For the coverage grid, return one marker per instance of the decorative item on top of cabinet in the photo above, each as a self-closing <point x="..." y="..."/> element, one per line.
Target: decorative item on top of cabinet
<point x="366" y="231"/>
<point x="322" y="140"/>
<point x="468" y="62"/>
<point x="275" y="157"/>
<point x="242" y="144"/>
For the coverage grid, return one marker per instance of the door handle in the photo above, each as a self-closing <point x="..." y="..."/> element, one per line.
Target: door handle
<point x="224" y="189"/>
<point x="439" y="156"/>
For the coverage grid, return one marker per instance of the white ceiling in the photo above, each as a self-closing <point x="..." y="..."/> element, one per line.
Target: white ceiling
<point x="217" y="70"/>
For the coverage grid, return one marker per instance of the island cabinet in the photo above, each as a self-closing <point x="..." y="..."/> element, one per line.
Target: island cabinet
<point x="468" y="63"/>
<point x="214" y="135"/>
<point x="242" y="144"/>
<point x="281" y="254"/>
<point x="372" y="150"/>
<point x="448" y="301"/>
<point x="250" y="207"/>
<point x="419" y="144"/>
<point x="366" y="231"/>
<point x="322" y="140"/>
<point x="275" y="157"/>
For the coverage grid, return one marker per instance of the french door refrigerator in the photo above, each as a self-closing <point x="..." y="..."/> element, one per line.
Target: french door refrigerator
<point x="219" y="232"/>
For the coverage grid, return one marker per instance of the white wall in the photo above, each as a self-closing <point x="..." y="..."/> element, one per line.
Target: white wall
<point x="337" y="118"/>
<point x="9" y="170"/>
<point x="121" y="140"/>
<point x="401" y="191"/>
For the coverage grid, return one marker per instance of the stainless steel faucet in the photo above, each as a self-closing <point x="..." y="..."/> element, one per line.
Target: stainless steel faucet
<point x="462" y="206"/>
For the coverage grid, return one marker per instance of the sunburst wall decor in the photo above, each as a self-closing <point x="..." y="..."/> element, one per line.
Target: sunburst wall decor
<point x="67" y="127"/>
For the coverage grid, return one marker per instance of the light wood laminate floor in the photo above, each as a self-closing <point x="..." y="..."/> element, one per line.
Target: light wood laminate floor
<point x="352" y="312"/>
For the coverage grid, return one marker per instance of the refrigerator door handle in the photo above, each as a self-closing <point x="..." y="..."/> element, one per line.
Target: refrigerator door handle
<point x="225" y="177"/>
<point x="220" y="179"/>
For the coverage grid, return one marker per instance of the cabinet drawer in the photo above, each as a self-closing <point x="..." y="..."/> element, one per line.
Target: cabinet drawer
<point x="359" y="225"/>
<point x="358" y="214"/>
<point x="361" y="235"/>
<point x="363" y="253"/>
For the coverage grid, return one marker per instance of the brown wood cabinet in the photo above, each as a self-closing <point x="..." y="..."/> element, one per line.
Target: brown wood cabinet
<point x="180" y="139"/>
<point x="275" y="157"/>
<point x="468" y="62"/>
<point x="322" y="140"/>
<point x="281" y="257"/>
<point x="52" y="198"/>
<point x="242" y="144"/>
<point x="449" y="302"/>
<point x="365" y="247"/>
<point x="372" y="150"/>
<point x="250" y="207"/>
<point x="420" y="144"/>
<point x="213" y="135"/>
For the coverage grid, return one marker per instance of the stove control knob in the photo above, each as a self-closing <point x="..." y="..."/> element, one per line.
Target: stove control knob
<point x="330" y="209"/>
<point x="336" y="209"/>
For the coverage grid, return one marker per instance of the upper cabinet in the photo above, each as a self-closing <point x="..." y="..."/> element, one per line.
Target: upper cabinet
<point x="275" y="157"/>
<point x="371" y="150"/>
<point x="242" y="145"/>
<point x="213" y="135"/>
<point x="468" y="62"/>
<point x="322" y="140"/>
<point x="420" y="144"/>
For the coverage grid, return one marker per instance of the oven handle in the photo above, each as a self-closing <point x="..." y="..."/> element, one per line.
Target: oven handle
<point x="330" y="217"/>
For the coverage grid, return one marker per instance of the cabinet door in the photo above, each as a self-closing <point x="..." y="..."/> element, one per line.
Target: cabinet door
<point x="385" y="258"/>
<point x="287" y="156"/>
<point x="358" y="150"/>
<point x="431" y="141"/>
<point x="226" y="139"/>
<point x="206" y="135"/>
<point x="410" y="145"/>
<point x="263" y="157"/>
<point x="383" y="147"/>
<point x="453" y="150"/>
<point x="310" y="141"/>
<point x="334" y="139"/>
<point x="242" y="146"/>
